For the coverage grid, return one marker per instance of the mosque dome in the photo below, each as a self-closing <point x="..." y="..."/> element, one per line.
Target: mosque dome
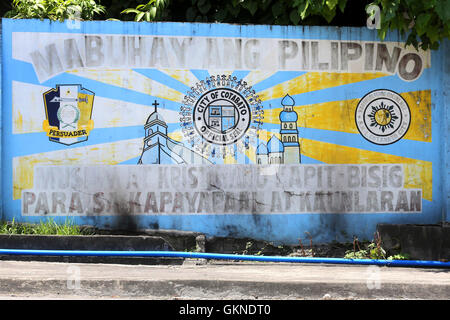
<point x="288" y="116"/>
<point x="275" y="145"/>
<point x="262" y="149"/>
<point x="287" y="101"/>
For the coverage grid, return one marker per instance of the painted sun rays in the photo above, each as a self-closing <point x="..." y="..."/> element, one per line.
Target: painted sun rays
<point x="171" y="85"/>
<point x="154" y="83"/>
<point x="323" y="115"/>
<point x="272" y="85"/>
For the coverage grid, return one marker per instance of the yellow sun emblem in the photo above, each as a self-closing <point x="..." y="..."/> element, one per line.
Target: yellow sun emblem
<point x="382" y="117"/>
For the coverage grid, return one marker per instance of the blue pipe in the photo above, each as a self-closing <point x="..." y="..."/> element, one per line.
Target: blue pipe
<point x="221" y="256"/>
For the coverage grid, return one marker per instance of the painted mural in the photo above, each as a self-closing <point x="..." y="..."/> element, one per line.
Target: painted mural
<point x="219" y="129"/>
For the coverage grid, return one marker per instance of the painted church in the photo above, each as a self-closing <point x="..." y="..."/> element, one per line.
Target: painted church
<point x="159" y="148"/>
<point x="286" y="150"/>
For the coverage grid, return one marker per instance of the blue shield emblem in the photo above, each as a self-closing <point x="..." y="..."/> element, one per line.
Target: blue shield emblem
<point x="68" y="110"/>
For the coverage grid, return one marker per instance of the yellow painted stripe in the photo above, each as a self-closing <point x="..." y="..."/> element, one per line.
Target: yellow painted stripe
<point x="418" y="173"/>
<point x="229" y="159"/>
<point x="189" y="79"/>
<point x="257" y="76"/>
<point x="340" y="115"/>
<point x="176" y="135"/>
<point x="266" y="135"/>
<point x="18" y="123"/>
<point x="251" y="153"/>
<point x="419" y="103"/>
<point x="313" y="81"/>
<point x="28" y="111"/>
<point x="132" y="80"/>
<point x="106" y="154"/>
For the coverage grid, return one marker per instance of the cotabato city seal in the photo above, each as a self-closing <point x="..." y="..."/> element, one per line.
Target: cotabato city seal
<point x="221" y="115"/>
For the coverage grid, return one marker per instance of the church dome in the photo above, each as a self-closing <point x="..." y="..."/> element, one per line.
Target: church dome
<point x="262" y="149"/>
<point x="275" y="145"/>
<point x="288" y="116"/>
<point x="155" y="116"/>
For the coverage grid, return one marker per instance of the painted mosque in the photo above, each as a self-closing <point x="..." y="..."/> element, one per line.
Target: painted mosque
<point x="286" y="150"/>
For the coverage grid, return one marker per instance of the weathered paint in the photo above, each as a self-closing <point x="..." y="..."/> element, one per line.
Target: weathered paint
<point x="132" y="101"/>
<point x="446" y="132"/>
<point x="219" y="189"/>
<point x="1" y="116"/>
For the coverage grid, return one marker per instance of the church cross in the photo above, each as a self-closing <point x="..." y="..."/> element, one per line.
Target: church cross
<point x="156" y="104"/>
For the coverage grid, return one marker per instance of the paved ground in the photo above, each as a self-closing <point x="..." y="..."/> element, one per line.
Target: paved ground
<point x="219" y="281"/>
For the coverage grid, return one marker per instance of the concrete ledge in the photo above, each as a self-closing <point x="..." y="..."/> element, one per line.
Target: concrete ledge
<point x="85" y="242"/>
<point x="420" y="242"/>
<point x="88" y="242"/>
<point x="178" y="240"/>
<point x="222" y="289"/>
<point x="221" y="281"/>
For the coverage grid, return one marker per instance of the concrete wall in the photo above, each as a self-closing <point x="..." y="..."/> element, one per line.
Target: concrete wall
<point x="248" y="131"/>
<point x="446" y="130"/>
<point x="1" y="94"/>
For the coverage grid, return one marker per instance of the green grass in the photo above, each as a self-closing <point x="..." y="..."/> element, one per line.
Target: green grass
<point x="46" y="227"/>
